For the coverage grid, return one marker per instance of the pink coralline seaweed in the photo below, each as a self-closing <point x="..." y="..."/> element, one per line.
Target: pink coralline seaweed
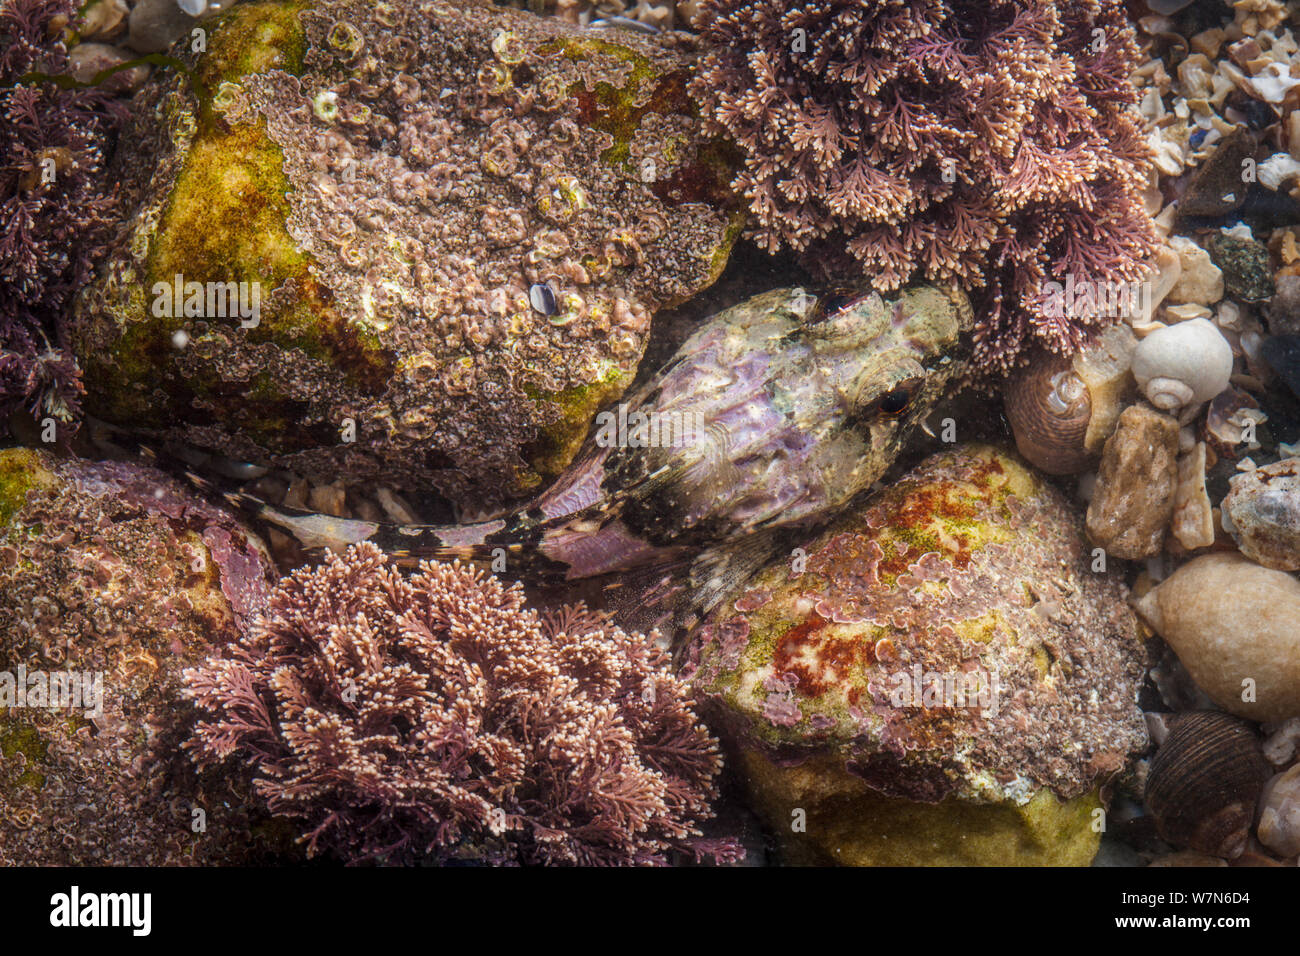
<point x="54" y="205"/>
<point x="436" y="717"/>
<point x="990" y="143"/>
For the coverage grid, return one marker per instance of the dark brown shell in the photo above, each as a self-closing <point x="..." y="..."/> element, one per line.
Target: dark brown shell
<point x="1048" y="407"/>
<point x="1205" y="782"/>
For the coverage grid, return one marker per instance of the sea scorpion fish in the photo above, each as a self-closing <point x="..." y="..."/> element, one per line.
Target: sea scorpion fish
<point x="772" y="415"/>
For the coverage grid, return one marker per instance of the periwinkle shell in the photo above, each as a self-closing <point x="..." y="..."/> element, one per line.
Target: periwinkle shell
<point x="1205" y="782"/>
<point x="1049" y="408"/>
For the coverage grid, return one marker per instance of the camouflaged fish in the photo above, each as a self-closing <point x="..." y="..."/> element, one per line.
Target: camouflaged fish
<point x="773" y="415"/>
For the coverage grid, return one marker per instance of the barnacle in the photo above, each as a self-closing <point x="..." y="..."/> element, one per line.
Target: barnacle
<point x="118" y="570"/>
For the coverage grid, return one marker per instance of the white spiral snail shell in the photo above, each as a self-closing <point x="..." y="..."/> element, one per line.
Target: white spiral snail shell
<point x="1183" y="364"/>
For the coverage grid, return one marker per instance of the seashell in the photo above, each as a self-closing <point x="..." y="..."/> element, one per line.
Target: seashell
<point x="1277" y="170"/>
<point x="1233" y="417"/>
<point x="1262" y="513"/>
<point x="1279" y="813"/>
<point x="1049" y="407"/>
<point x="1205" y="782"/>
<point x="1104" y="368"/>
<point x="1063" y="409"/>
<point x="1232" y="624"/>
<point x="542" y="298"/>
<point x="1183" y="364"/>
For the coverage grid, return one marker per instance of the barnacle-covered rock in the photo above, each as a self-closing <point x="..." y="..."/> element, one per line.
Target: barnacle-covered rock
<point x="115" y="572"/>
<point x="398" y="177"/>
<point x="941" y="677"/>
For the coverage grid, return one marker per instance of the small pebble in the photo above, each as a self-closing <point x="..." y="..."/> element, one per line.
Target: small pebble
<point x="1279" y="817"/>
<point x="1262" y="513"/>
<point x="1133" y="501"/>
<point x="156" y="24"/>
<point x="1200" y="282"/>
<point x="1244" y="264"/>
<point x="1215" y="187"/>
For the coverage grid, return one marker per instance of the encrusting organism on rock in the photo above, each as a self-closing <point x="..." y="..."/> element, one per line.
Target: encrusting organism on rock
<point x="436" y="718"/>
<point x="989" y="143"/>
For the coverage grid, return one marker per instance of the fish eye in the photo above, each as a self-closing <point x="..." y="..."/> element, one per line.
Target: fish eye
<point x="895" y="401"/>
<point x="898" y="399"/>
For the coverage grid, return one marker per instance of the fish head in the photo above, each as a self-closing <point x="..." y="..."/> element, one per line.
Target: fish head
<point x="889" y="361"/>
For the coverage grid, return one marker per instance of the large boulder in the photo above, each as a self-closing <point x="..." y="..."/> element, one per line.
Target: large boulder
<point x="459" y="220"/>
<point x="940" y="678"/>
<point x="113" y="579"/>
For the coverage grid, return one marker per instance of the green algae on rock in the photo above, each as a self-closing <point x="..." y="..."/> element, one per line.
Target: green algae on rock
<point x="946" y="661"/>
<point x="396" y="177"/>
<point x="1247" y="275"/>
<point x="116" y="571"/>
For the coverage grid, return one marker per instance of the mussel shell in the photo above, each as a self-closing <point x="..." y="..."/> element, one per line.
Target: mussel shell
<point x="1049" y="408"/>
<point x="1205" y="782"/>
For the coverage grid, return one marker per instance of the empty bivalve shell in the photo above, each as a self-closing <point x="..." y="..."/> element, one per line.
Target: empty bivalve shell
<point x="1205" y="782"/>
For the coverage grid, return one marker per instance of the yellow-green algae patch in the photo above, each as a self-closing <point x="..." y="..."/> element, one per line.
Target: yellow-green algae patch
<point x="17" y="738"/>
<point x="849" y="824"/>
<point x="20" y="472"/>
<point x="556" y="444"/>
<point x="248" y="183"/>
<point x="263" y="36"/>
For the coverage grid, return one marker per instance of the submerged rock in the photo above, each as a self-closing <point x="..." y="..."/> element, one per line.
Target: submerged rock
<point x="1215" y="188"/>
<point x="1246" y="273"/>
<point x="1262" y="512"/>
<point x="938" y="678"/>
<point x="117" y="573"/>
<point x="156" y="24"/>
<point x="397" y="178"/>
<point x="1134" y="498"/>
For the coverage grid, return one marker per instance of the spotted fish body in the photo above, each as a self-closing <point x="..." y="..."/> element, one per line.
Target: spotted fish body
<point x="773" y="415"/>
